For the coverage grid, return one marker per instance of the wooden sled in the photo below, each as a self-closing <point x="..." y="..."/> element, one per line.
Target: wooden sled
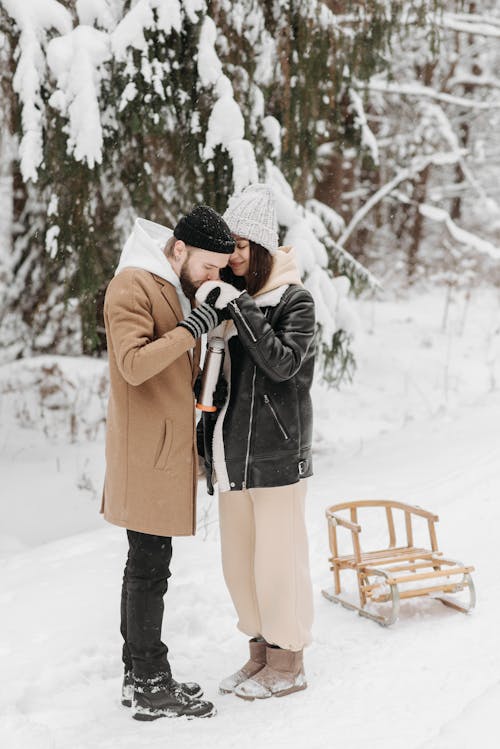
<point x="395" y="573"/>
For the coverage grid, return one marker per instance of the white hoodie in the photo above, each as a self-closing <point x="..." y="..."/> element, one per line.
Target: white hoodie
<point x="145" y="249"/>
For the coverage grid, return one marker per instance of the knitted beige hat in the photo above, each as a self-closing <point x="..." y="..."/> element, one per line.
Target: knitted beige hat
<point x="252" y="215"/>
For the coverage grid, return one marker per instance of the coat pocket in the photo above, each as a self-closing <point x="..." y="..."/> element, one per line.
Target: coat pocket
<point x="164" y="445"/>
<point x="276" y="418"/>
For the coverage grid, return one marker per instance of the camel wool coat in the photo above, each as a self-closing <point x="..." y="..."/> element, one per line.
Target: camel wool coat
<point x="151" y="461"/>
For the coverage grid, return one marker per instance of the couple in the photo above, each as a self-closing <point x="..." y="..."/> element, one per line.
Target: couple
<point x="223" y="276"/>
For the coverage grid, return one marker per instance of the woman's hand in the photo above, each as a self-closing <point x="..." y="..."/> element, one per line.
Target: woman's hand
<point x="217" y="301"/>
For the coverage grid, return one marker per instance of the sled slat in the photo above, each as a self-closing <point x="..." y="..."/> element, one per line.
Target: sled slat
<point x="417" y="576"/>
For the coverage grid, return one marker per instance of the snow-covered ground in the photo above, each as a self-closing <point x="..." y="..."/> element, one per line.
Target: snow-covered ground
<point x="420" y="423"/>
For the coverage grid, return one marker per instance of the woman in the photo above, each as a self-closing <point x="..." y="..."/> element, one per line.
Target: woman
<point x="260" y="453"/>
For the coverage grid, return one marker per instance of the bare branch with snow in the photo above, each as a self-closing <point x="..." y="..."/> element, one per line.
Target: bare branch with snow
<point x="418" y="165"/>
<point x="416" y="90"/>
<point x="457" y="233"/>
<point x="469" y="24"/>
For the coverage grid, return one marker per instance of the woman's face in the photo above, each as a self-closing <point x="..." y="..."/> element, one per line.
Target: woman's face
<point x="239" y="261"/>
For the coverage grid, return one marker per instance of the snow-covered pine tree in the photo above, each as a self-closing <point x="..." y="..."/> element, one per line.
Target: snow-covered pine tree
<point x="33" y="299"/>
<point x="148" y="106"/>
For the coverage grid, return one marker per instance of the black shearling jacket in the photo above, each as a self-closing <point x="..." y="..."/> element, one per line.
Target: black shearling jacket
<point x="267" y="426"/>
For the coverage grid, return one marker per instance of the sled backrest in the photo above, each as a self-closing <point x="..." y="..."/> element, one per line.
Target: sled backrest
<point x="390" y="507"/>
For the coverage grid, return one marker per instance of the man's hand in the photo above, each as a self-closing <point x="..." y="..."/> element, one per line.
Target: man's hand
<point x="201" y="320"/>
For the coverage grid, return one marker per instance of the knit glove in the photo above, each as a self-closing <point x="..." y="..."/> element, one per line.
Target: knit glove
<point x="204" y="318"/>
<point x="226" y="294"/>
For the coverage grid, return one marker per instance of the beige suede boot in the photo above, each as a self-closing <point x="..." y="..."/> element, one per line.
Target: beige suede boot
<point x="283" y="674"/>
<point x="256" y="662"/>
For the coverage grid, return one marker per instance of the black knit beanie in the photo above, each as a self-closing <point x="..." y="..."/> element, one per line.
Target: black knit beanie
<point x="204" y="228"/>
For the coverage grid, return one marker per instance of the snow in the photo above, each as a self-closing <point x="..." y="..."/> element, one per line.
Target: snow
<point x="311" y="253"/>
<point x="169" y="15"/>
<point x="472" y="25"/>
<point x="460" y="235"/>
<point x="97" y="12"/>
<point x="75" y="60"/>
<point x="130" y="30"/>
<point x="245" y="171"/>
<point x="33" y="18"/>
<point x="51" y="244"/>
<point x="209" y="65"/>
<point x="368" y="139"/>
<point x="7" y="146"/>
<point x="192" y="8"/>
<point x="415" y="89"/>
<point x="417" y="164"/>
<point x="226" y="124"/>
<point x="331" y="219"/>
<point x="418" y="424"/>
<point x="272" y="131"/>
<point x="265" y="59"/>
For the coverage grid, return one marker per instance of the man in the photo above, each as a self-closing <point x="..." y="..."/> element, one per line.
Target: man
<point x="151" y="464"/>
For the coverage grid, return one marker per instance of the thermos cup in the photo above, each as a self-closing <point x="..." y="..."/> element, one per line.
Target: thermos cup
<point x="211" y="370"/>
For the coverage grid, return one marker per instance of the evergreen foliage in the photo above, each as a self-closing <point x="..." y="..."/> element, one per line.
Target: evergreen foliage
<point x="193" y="100"/>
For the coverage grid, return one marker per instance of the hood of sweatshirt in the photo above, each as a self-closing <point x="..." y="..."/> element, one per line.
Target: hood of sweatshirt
<point x="144" y="249"/>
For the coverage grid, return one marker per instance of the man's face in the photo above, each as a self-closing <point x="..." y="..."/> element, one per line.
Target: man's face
<point x="198" y="267"/>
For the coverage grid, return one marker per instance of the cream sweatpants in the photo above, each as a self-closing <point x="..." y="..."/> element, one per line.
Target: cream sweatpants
<point x="265" y="560"/>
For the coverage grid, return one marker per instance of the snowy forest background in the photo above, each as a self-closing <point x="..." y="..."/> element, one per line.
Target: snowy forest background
<point x="378" y="125"/>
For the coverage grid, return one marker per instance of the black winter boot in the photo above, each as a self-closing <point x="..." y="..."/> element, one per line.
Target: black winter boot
<point x="162" y="697"/>
<point x="190" y="688"/>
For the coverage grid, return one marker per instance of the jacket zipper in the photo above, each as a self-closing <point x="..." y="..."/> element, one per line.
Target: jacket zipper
<point x="247" y="458"/>
<point x="242" y="318"/>
<point x="268" y="403"/>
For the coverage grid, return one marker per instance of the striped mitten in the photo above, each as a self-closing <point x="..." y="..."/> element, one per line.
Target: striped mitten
<point x="200" y="320"/>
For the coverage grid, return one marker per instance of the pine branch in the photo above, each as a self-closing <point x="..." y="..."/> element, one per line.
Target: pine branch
<point x="348" y="265"/>
<point x="345" y="263"/>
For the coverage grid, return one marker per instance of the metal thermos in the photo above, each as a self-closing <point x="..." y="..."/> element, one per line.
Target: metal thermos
<point x="211" y="371"/>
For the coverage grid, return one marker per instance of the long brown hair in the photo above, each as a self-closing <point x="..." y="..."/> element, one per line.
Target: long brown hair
<point x="259" y="270"/>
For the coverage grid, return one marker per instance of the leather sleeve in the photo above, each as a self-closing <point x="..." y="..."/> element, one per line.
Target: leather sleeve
<point x="130" y="327"/>
<point x="280" y="350"/>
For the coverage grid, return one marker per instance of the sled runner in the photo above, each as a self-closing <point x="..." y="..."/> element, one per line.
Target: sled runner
<point x="390" y="575"/>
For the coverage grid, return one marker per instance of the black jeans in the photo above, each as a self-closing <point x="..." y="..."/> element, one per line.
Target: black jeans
<point x="145" y="582"/>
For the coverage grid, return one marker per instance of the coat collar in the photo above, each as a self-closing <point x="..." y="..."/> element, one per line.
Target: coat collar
<point x="170" y="294"/>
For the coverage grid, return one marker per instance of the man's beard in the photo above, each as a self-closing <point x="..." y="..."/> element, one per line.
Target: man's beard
<point x="187" y="284"/>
